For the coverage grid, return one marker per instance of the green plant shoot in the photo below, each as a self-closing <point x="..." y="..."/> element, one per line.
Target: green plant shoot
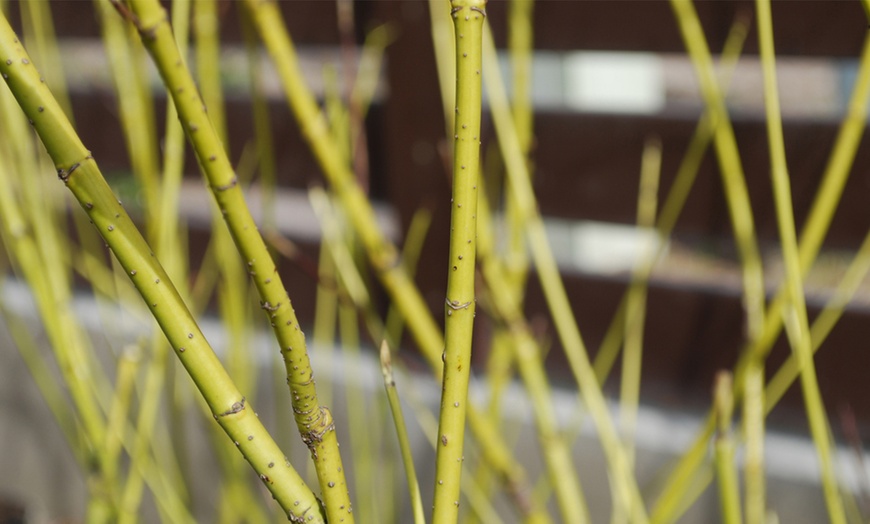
<point x="468" y="18"/>
<point x="78" y="170"/>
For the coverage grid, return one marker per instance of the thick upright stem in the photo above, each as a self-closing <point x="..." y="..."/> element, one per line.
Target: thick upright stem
<point x="468" y="17"/>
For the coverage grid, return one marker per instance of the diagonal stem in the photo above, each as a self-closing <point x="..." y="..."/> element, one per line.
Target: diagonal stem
<point x="314" y="421"/>
<point x="78" y="170"/>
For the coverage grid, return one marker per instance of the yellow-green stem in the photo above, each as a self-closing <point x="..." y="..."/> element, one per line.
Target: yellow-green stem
<point x="262" y="126"/>
<point x="528" y="356"/>
<point x="38" y="23"/>
<point x="521" y="46"/>
<point x="554" y="290"/>
<point x="125" y="379"/>
<point x="381" y="252"/>
<point x="733" y="179"/>
<point x="753" y="435"/>
<point x="460" y="304"/>
<point x="170" y="245"/>
<point x="361" y="423"/>
<point x="232" y="289"/>
<point x="799" y="330"/>
<point x="78" y="170"/>
<point x="314" y="421"/>
<point x="516" y="337"/>
<point x="632" y="357"/>
<point x="822" y="325"/>
<point x="411" y="249"/>
<point x="677" y="195"/>
<point x="135" y="107"/>
<point x="726" y="469"/>
<point x="43" y="262"/>
<point x="137" y="116"/>
<point x="821" y="213"/>
<point x="479" y="504"/>
<point x="439" y="15"/>
<point x="325" y="312"/>
<point x="208" y="71"/>
<point x="402" y="435"/>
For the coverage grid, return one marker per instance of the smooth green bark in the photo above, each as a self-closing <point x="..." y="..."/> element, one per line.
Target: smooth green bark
<point x="468" y="18"/>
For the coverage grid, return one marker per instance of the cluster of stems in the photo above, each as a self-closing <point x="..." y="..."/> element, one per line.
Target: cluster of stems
<point x="100" y="429"/>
